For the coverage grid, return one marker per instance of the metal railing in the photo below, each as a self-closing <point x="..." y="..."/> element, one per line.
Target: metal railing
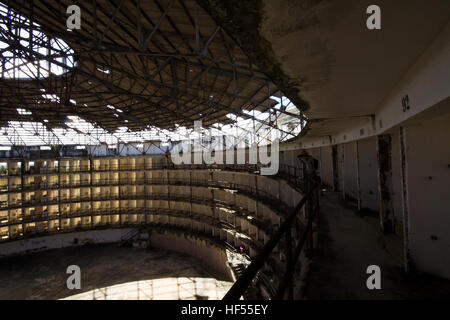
<point x="66" y="198"/>
<point x="137" y="167"/>
<point x="310" y="202"/>
<point x="292" y="174"/>
<point x="288" y="238"/>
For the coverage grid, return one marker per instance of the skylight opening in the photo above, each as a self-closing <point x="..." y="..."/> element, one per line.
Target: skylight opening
<point x="106" y="71"/>
<point x="28" y="52"/>
<point x="51" y="97"/>
<point x="24" y="112"/>
<point x="79" y="132"/>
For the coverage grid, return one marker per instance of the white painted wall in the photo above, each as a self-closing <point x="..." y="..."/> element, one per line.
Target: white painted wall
<point x="428" y="187"/>
<point x="350" y="170"/>
<point x="426" y="82"/>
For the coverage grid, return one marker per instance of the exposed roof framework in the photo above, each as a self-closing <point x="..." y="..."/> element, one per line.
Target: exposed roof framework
<point x="144" y="68"/>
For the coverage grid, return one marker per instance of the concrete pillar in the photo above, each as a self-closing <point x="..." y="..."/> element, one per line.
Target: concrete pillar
<point x="335" y="169"/>
<point x="385" y="189"/>
<point x="358" y="181"/>
<point x="190" y="198"/>
<point x="91" y="166"/>
<point x="341" y="169"/>
<point x="405" y="207"/>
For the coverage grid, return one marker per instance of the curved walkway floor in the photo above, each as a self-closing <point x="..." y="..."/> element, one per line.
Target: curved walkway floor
<point x="349" y="243"/>
<point x="109" y="272"/>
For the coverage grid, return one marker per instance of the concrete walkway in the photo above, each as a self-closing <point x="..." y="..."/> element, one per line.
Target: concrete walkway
<point x="349" y="243"/>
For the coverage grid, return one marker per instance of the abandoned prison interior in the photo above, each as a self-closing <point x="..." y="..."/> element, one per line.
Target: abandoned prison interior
<point x="239" y="149"/>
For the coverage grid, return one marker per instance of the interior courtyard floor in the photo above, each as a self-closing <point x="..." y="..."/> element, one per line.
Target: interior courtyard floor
<point x="349" y="242"/>
<point x="109" y="272"/>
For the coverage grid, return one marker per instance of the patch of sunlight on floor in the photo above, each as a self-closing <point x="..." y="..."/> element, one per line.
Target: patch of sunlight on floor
<point x="181" y="288"/>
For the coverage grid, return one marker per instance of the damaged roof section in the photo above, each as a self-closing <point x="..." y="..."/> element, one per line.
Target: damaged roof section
<point x="322" y="52"/>
<point x="242" y="20"/>
<point x="147" y="64"/>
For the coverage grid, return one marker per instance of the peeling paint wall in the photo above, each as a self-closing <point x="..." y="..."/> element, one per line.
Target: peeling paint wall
<point x="368" y="174"/>
<point x="396" y="195"/>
